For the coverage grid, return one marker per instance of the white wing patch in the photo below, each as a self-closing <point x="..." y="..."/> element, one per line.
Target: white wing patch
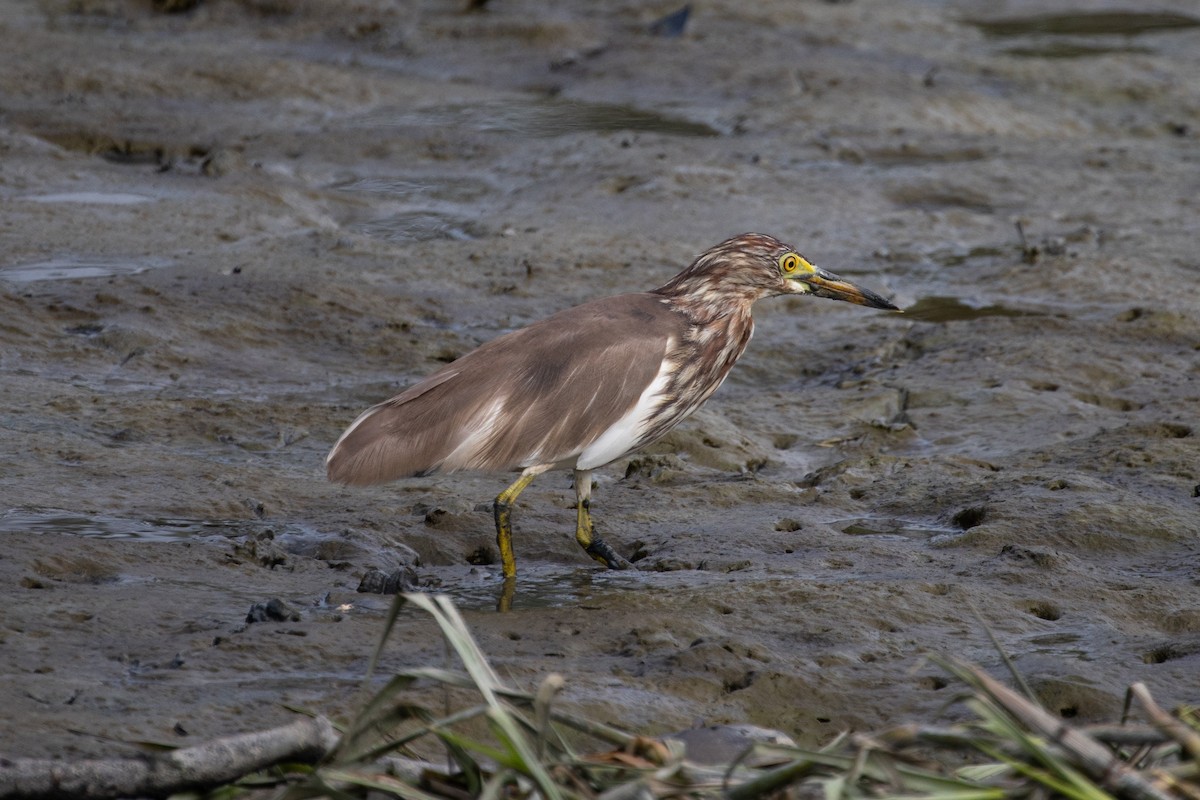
<point x="361" y="418"/>
<point x="625" y="432"/>
<point x="484" y="429"/>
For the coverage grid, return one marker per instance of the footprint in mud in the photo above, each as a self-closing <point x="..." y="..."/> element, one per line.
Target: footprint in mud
<point x="75" y="569"/>
<point x="1183" y="621"/>
<point x="1107" y="401"/>
<point x="1170" y="651"/>
<point x="1072" y="699"/>
<point x="1043" y="609"/>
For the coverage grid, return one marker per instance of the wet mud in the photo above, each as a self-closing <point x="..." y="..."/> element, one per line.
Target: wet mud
<point x="228" y="230"/>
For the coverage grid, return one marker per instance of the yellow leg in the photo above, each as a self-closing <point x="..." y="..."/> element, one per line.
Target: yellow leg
<point x="502" y="508"/>
<point x="592" y="544"/>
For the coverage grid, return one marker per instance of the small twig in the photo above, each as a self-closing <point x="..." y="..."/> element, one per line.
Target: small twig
<point x="769" y="781"/>
<point x="203" y="766"/>
<point x="1170" y="726"/>
<point x="1029" y="253"/>
<point x="1128" y="735"/>
<point x="1096" y="760"/>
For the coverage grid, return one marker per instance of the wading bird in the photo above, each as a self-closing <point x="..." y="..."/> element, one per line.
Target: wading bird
<point x="584" y="387"/>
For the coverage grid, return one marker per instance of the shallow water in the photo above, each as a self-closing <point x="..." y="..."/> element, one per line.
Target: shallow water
<point x="100" y="526"/>
<point x="98" y="198"/>
<point x="76" y="268"/>
<point x="1094" y="23"/>
<point x="950" y="309"/>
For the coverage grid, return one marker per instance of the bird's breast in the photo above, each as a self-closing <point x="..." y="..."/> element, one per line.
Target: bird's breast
<point x="694" y="369"/>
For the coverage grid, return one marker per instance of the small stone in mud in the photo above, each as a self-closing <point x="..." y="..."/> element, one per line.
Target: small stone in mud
<point x="788" y="525"/>
<point x="262" y="549"/>
<point x="720" y="744"/>
<point x="378" y="582"/>
<point x="274" y="610"/>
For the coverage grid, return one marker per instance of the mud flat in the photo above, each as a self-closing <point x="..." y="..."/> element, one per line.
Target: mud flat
<point x="226" y="231"/>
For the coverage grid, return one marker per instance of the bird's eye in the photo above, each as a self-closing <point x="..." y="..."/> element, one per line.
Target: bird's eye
<point x="789" y="263"/>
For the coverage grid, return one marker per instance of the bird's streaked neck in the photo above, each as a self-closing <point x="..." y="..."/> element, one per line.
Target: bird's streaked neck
<point x="703" y="299"/>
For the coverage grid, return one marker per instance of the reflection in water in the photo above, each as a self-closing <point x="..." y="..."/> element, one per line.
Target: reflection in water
<point x="507" y="591"/>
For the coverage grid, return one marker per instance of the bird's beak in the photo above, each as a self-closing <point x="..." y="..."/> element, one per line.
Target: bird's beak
<point x="826" y="284"/>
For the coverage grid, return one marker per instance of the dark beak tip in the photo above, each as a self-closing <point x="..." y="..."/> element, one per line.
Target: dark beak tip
<point x="875" y="301"/>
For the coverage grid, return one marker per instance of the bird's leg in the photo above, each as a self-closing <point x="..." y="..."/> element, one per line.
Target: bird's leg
<point x="502" y="508"/>
<point x="592" y="544"/>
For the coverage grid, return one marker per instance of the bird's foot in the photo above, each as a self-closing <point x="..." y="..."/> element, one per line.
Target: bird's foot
<point x="600" y="550"/>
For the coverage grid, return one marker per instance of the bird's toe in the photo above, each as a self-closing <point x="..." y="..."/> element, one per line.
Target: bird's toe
<point x="602" y="552"/>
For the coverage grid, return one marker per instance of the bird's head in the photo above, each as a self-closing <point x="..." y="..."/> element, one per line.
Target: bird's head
<point x="755" y="265"/>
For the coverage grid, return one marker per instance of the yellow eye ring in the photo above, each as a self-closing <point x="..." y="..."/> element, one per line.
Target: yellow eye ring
<point x="789" y="263"/>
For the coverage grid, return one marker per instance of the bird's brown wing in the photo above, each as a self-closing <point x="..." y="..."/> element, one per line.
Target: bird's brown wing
<point x="538" y="395"/>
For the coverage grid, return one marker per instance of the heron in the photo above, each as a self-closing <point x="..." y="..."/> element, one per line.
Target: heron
<point x="584" y="387"/>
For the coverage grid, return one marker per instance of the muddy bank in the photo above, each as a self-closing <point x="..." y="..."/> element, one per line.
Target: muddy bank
<point x="227" y="231"/>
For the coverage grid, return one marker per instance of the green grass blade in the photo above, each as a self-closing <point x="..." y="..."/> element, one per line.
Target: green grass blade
<point x="459" y="637"/>
<point x="526" y="760"/>
<point x="388" y="623"/>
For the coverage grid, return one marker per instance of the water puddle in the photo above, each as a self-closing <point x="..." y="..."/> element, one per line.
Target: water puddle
<point x="891" y="528"/>
<point x="92" y="198"/>
<point x="953" y="309"/>
<point x="1098" y="23"/>
<point x="909" y="154"/>
<point x="1070" y="50"/>
<point x="420" y="226"/>
<point x="446" y="189"/>
<point x="163" y="529"/>
<point x="553" y="586"/>
<point x="478" y="589"/>
<point x="62" y="269"/>
<point x="937" y="197"/>
<point x="540" y="117"/>
<point x="956" y="256"/>
<point x="449" y="212"/>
